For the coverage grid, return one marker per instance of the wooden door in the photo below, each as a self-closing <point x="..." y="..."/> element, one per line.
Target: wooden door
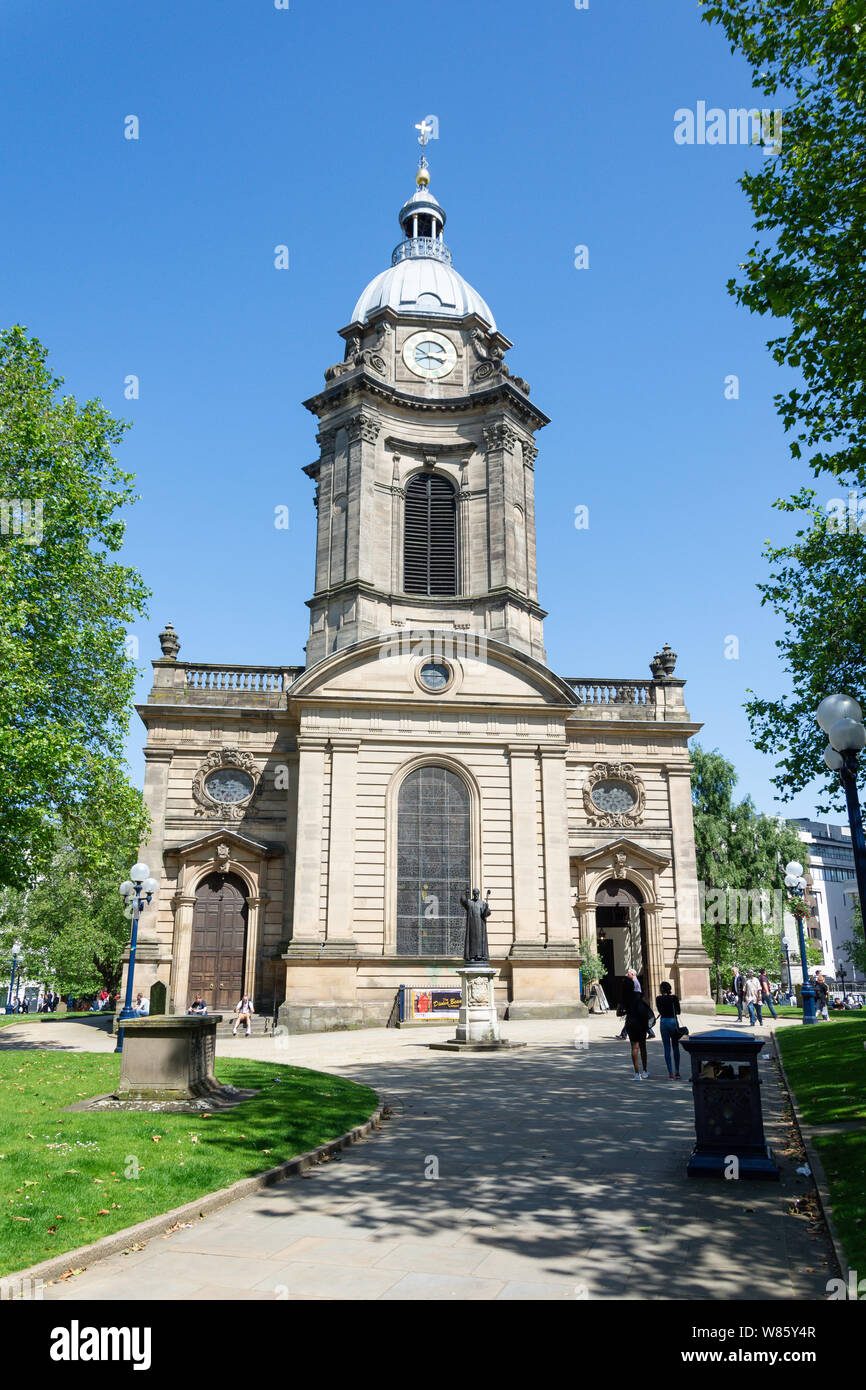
<point x="219" y="940"/>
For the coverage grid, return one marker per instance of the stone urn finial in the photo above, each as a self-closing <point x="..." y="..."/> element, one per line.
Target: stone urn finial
<point x="657" y="666"/>
<point x="170" y="643"/>
<point x="668" y="659"/>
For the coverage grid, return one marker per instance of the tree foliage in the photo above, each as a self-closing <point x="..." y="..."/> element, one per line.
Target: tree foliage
<point x="818" y="588"/>
<point x="71" y="929"/>
<point x="810" y="200"/>
<point x="741" y="856"/>
<point x="67" y="685"/>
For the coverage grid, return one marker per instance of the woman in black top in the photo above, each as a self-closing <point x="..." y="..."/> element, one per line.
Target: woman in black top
<point x="638" y="1019"/>
<point x="668" y="1006"/>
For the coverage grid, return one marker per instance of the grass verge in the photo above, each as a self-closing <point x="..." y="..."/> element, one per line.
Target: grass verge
<point x="68" y="1179"/>
<point x="7" y="1020"/>
<point x="827" y="1070"/>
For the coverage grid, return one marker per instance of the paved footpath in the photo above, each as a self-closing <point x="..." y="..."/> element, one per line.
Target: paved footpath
<point x="546" y="1173"/>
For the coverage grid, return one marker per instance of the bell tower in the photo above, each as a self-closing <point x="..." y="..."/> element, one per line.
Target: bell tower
<point x="425" y="482"/>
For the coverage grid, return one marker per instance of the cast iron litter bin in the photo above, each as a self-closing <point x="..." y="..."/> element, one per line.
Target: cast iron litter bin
<point x="727" y="1095"/>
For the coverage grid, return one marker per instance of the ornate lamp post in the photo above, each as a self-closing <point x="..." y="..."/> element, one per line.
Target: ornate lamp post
<point x="796" y="886"/>
<point x="787" y="960"/>
<point x="137" y="890"/>
<point x="9" y="1008"/>
<point x="842" y="721"/>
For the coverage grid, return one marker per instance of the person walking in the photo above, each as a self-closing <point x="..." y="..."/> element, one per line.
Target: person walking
<point x="631" y="986"/>
<point x="244" y="1011"/>
<point x="822" y="994"/>
<point x="766" y="993"/>
<point x="752" y="997"/>
<point x="739" y="986"/>
<point x="639" y="1019"/>
<point x="668" y="1006"/>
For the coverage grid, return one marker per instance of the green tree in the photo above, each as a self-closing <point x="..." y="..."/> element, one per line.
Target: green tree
<point x="65" y="697"/>
<point x="855" y="949"/>
<point x="71" y="929"/>
<point x="810" y="202"/>
<point x="740" y="858"/>
<point x="818" y="589"/>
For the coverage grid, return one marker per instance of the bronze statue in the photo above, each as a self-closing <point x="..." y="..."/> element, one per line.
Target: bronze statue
<point x="475" y="941"/>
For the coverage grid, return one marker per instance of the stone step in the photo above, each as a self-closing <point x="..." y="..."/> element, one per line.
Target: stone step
<point x="260" y="1025"/>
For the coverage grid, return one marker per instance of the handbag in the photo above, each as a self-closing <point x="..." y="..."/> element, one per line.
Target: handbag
<point x="681" y="1033"/>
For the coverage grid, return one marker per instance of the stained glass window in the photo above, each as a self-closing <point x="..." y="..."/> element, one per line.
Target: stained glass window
<point x="433" y="862"/>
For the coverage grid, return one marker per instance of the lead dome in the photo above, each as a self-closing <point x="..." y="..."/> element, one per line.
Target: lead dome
<point x="421" y="278"/>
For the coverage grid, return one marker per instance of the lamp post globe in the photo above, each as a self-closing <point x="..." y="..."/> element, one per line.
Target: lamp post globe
<point x="796" y="886"/>
<point x="847" y="736"/>
<point x="841" y="718"/>
<point x="139" y="872"/>
<point x="836" y="707"/>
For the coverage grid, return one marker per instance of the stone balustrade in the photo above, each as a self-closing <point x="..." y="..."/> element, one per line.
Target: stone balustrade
<point x="619" y="697"/>
<point x="218" y="683"/>
<point x="594" y="690"/>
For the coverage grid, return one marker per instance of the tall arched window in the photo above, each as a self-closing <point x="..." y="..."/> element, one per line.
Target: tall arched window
<point x="433" y="862"/>
<point x="430" y="536"/>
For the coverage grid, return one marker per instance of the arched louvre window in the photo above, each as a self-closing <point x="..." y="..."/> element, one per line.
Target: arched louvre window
<point x="433" y="862"/>
<point x="430" y="536"/>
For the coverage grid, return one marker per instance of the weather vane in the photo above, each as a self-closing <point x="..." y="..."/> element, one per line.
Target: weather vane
<point x="426" y="127"/>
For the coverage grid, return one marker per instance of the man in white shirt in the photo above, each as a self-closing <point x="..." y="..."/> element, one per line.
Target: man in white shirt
<point x="141" y="1007"/>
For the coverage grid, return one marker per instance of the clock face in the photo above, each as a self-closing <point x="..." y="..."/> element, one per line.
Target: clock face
<point x="229" y="784"/>
<point x="614" y="797"/>
<point x="429" y="354"/>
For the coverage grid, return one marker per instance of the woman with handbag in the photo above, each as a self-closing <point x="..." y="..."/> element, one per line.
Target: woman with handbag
<point x="668" y="1005"/>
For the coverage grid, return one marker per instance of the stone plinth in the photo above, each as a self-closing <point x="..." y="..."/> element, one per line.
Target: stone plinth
<point x="477" y="1022"/>
<point x="169" y="1057"/>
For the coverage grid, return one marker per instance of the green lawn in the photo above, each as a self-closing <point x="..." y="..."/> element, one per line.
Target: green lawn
<point x="6" y="1020"/>
<point x="59" y="1172"/>
<point x="783" y="1010"/>
<point x="827" y="1070"/>
<point x="844" y="1160"/>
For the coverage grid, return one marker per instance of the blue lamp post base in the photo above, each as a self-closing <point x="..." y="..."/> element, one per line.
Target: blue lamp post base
<point x="807" y="994"/>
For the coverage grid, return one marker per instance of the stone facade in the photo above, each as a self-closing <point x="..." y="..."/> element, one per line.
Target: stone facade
<point x="284" y="782"/>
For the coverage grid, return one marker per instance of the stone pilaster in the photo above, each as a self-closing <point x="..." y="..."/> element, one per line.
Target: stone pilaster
<point x="524" y="847"/>
<point x="362" y="541"/>
<point x="691" y="960"/>
<point x="183" y="906"/>
<point x="339" y="931"/>
<point x="557" y="874"/>
<point x="306" y="922"/>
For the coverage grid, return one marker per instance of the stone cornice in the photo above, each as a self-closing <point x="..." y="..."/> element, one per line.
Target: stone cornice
<point x="359" y="384"/>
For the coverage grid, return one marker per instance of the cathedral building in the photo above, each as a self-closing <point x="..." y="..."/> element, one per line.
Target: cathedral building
<point x="314" y="826"/>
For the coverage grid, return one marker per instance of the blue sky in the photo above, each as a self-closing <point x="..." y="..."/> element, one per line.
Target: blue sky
<point x="262" y="126"/>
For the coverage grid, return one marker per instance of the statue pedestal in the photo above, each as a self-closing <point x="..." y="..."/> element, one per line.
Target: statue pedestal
<point x="477" y="1022"/>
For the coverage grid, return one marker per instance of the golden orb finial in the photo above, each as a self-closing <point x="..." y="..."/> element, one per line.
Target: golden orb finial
<point x="422" y="178"/>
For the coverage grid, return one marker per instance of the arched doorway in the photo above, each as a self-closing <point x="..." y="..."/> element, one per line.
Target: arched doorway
<point x="620" y="930"/>
<point x="219" y="941"/>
